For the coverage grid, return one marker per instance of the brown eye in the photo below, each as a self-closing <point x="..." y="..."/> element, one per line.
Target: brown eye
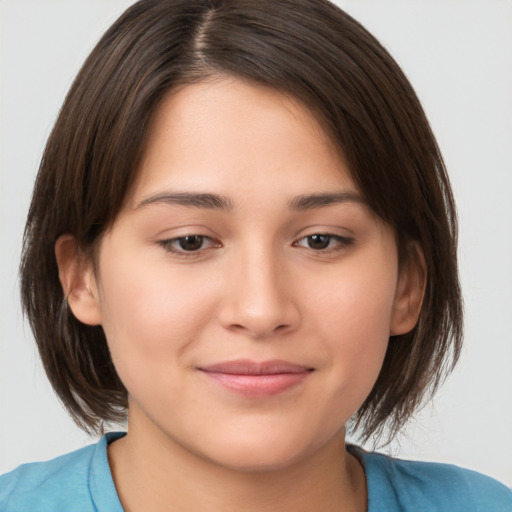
<point x="188" y="245"/>
<point x="324" y="242"/>
<point x="191" y="242"/>
<point x="318" y="242"/>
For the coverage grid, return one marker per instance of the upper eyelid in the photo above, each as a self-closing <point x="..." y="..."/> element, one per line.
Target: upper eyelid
<point x="340" y="238"/>
<point x="213" y="241"/>
<point x="169" y="243"/>
<point x="181" y="237"/>
<point x="326" y="232"/>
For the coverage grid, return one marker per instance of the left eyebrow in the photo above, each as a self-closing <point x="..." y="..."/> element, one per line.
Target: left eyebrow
<point x="319" y="200"/>
<point x="191" y="199"/>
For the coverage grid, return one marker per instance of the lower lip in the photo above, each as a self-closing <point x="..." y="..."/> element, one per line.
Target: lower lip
<point x="259" y="386"/>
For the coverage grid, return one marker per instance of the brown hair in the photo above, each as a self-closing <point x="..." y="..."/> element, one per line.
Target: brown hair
<point x="309" y="49"/>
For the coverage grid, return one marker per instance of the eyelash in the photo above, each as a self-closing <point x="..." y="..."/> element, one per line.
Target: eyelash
<point x="172" y="245"/>
<point x="342" y="242"/>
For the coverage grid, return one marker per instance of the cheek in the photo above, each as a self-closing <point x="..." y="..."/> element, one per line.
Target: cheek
<point x="360" y="305"/>
<point x="150" y="312"/>
<point x="354" y="319"/>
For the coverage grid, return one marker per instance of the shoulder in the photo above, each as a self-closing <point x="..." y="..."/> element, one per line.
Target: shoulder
<point x="426" y="486"/>
<point x="40" y="485"/>
<point x="64" y="483"/>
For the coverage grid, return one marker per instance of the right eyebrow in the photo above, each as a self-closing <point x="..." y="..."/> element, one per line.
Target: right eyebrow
<point x="192" y="199"/>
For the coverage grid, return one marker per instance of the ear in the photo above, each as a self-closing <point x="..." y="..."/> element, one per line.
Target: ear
<point x="78" y="281"/>
<point x="410" y="290"/>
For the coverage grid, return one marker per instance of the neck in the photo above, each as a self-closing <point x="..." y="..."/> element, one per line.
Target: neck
<point x="152" y="473"/>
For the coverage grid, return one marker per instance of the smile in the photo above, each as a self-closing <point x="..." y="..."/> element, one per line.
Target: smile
<point x="255" y="379"/>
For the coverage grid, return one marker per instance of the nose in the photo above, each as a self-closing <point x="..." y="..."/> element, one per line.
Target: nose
<point x="259" y="300"/>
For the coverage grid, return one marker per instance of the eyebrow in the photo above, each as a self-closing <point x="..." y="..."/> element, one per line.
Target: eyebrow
<point x="319" y="200"/>
<point x="218" y="202"/>
<point x="192" y="199"/>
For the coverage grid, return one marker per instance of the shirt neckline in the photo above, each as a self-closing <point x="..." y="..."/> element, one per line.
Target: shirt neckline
<point x="101" y="483"/>
<point x="104" y="493"/>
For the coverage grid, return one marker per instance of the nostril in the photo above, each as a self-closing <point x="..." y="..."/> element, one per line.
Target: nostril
<point x="259" y="331"/>
<point x="258" y="311"/>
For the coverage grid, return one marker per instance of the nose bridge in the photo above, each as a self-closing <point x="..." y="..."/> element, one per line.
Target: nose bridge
<point x="259" y="300"/>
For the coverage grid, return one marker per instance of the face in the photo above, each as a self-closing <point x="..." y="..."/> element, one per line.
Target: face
<point x="246" y="291"/>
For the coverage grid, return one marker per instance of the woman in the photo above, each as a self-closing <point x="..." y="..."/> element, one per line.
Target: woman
<point x="242" y="237"/>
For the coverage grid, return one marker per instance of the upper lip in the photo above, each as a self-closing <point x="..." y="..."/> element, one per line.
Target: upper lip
<point x="247" y="367"/>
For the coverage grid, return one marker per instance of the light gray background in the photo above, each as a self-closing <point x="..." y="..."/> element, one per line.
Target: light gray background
<point x="458" y="55"/>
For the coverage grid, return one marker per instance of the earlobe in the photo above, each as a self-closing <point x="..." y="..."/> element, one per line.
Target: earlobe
<point x="409" y="293"/>
<point x="78" y="281"/>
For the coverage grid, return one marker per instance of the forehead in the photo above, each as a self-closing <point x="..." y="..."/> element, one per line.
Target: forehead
<point x="230" y="134"/>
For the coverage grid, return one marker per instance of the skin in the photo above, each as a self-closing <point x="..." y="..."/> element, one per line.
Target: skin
<point x="258" y="286"/>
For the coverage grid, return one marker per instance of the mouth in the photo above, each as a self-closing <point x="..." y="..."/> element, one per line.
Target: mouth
<point x="256" y="379"/>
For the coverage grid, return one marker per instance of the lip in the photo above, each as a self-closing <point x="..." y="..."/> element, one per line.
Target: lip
<point x="256" y="379"/>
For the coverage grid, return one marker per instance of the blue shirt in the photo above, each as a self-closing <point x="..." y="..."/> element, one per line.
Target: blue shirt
<point x="81" y="482"/>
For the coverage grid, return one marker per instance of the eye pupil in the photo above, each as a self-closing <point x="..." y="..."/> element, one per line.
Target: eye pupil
<point x="319" y="241"/>
<point x="191" y="243"/>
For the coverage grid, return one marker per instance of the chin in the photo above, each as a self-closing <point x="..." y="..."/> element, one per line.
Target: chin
<point x="248" y="461"/>
<point x="262" y="454"/>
